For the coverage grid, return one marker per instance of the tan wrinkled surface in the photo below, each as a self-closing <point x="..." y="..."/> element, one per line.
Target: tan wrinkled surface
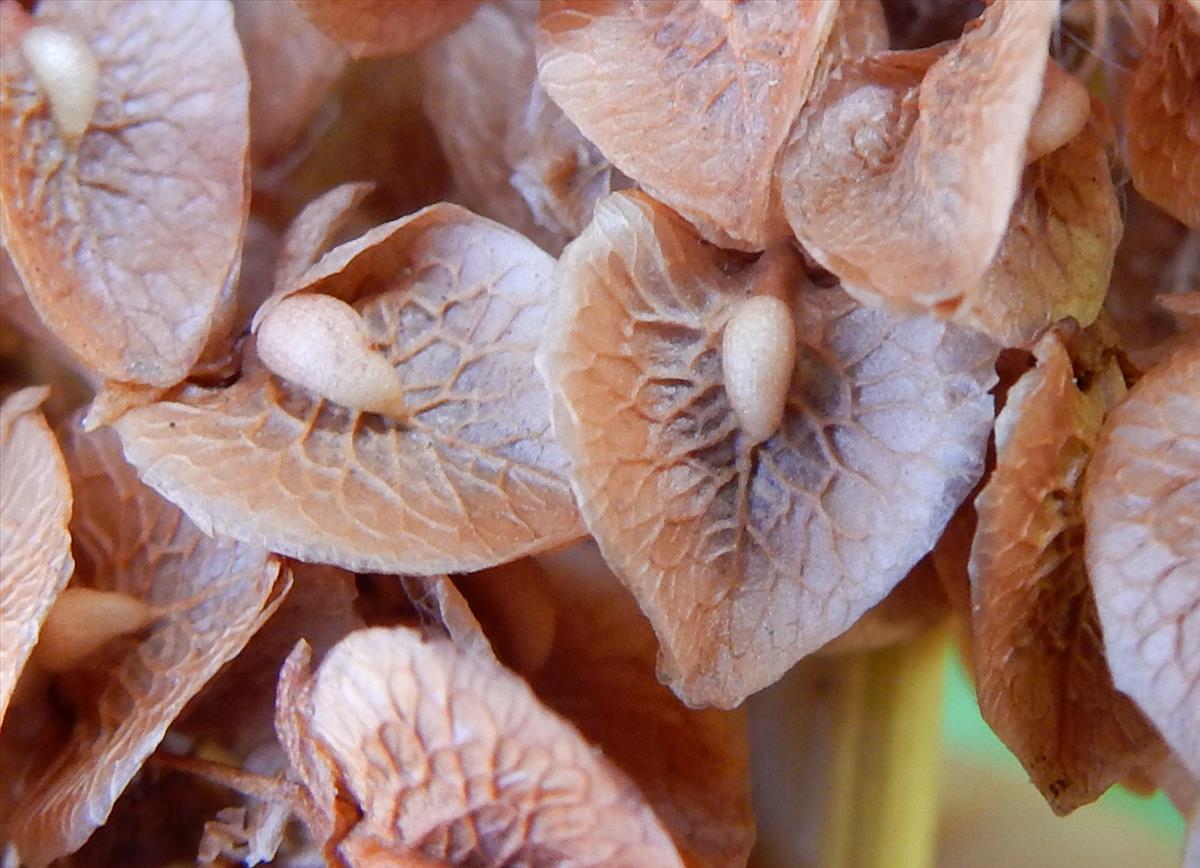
<point x="445" y="613"/>
<point x="369" y="27"/>
<point x="481" y="89"/>
<point x="691" y="765"/>
<point x="35" y="546"/>
<point x="213" y="595"/>
<point x="901" y="170"/>
<point x="472" y="478"/>
<point x="455" y="759"/>
<point x="1142" y="506"/>
<point x="1041" y="677"/>
<point x="311" y="233"/>
<point x="292" y="66"/>
<point x="1057" y="254"/>
<point x="1164" y="115"/>
<point x="693" y="101"/>
<point x="913" y="606"/>
<point x="747" y="559"/>
<point x="126" y="240"/>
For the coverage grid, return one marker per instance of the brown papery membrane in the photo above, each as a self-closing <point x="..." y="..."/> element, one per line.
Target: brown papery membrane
<point x="902" y="169"/>
<point x="481" y="88"/>
<point x="1057" y="254"/>
<point x="211" y="595"/>
<point x="598" y="672"/>
<point x="1141" y="502"/>
<point x="1041" y="677"/>
<point x="368" y="27"/>
<point x="448" y="757"/>
<point x="292" y="67"/>
<point x="745" y="558"/>
<point x="693" y="101"/>
<point x="127" y="235"/>
<point x="469" y="478"/>
<point x="35" y="545"/>
<point x="1163" y="139"/>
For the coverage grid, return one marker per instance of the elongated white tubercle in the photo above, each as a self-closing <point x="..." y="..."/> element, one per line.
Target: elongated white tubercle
<point x="66" y="71"/>
<point x="1061" y="114"/>
<point x="321" y="343"/>
<point x="758" y="352"/>
<point x="82" y="621"/>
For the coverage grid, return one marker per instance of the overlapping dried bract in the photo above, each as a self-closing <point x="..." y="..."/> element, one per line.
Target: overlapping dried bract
<point x="292" y="66"/>
<point x="901" y="171"/>
<point x="1057" y="253"/>
<point x="128" y="237"/>
<point x="369" y="27"/>
<point x="451" y="758"/>
<point x="211" y="595"/>
<point x="1164" y="115"/>
<point x="747" y="559"/>
<point x="471" y="478"/>
<point x="515" y="157"/>
<point x="1041" y="677"/>
<point x="1142" y="506"/>
<point x="690" y="765"/>
<point x="35" y="546"/>
<point x="918" y="603"/>
<point x="693" y="101"/>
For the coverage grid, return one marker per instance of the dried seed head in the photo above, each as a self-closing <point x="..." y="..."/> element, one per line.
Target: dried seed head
<point x="758" y="353"/>
<point x="67" y="73"/>
<point x="83" y="621"/>
<point x="1061" y="114"/>
<point x="321" y="343"/>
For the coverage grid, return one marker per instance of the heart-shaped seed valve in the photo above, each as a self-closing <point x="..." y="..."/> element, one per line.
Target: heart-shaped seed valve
<point x="66" y="71"/>
<point x="758" y="353"/>
<point x="321" y="343"/>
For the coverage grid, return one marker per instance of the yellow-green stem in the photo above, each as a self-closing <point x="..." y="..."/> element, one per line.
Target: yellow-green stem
<point x="883" y="794"/>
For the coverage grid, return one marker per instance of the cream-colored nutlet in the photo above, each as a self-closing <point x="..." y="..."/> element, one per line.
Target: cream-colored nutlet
<point x="66" y="71"/>
<point x="321" y="343"/>
<point x="758" y="352"/>
<point x="84" y="620"/>
<point x="1061" y="114"/>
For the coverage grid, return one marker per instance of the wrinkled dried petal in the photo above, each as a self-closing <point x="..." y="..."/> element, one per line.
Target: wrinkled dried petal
<point x="320" y="610"/>
<point x="452" y="758"/>
<point x="212" y="594"/>
<point x="1164" y="115"/>
<point x="444" y="613"/>
<point x="1057" y="254"/>
<point x="480" y="89"/>
<point x="693" y="101"/>
<point x="35" y="546"/>
<point x="1041" y="677"/>
<point x="916" y="604"/>
<point x="902" y="169"/>
<point x="746" y="559"/>
<point x="691" y="765"/>
<point x="369" y="27"/>
<point x="311" y="233"/>
<point x="292" y="66"/>
<point x="470" y="479"/>
<point x="1142" y="506"/>
<point x="128" y="237"/>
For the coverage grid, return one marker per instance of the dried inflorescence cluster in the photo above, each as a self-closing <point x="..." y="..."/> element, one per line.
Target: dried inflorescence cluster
<point x="819" y="319"/>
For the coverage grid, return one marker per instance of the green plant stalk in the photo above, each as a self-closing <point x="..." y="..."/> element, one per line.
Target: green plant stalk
<point x="883" y="799"/>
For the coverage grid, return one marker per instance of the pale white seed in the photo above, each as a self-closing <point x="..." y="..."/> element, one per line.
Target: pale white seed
<point x="84" y="620"/>
<point x="66" y="71"/>
<point x="321" y="343"/>
<point x="1061" y="114"/>
<point x="758" y="352"/>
